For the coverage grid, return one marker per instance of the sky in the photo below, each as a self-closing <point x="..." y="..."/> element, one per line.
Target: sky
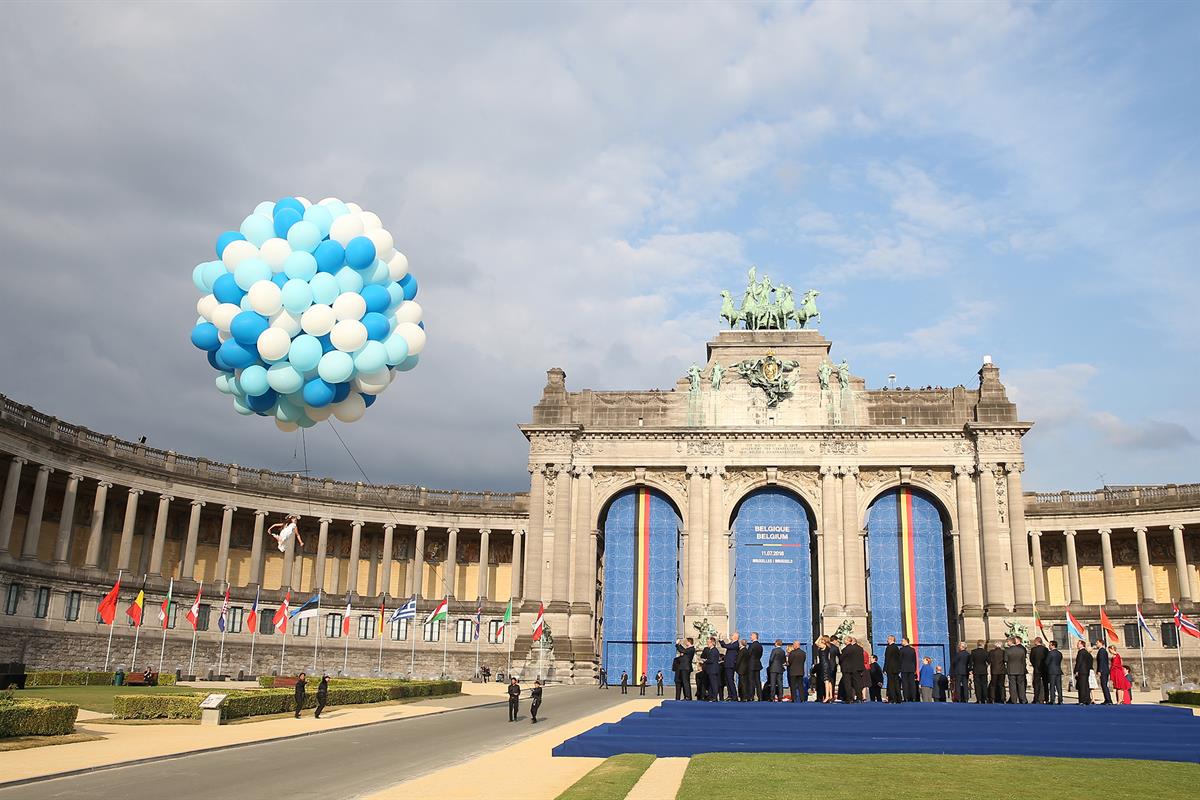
<point x="574" y="184"/>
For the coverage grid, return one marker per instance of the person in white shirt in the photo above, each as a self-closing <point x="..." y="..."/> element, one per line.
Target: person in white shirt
<point x="288" y="530"/>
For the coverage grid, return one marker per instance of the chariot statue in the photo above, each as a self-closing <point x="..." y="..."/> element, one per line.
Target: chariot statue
<point x="769" y="308"/>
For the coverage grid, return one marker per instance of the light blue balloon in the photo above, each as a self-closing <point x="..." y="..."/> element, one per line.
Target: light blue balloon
<point x="335" y="367"/>
<point x="250" y="272"/>
<point x="287" y="411"/>
<point x="325" y="288"/>
<point x="245" y="304"/>
<point x="378" y="273"/>
<point x="239" y="405"/>
<point x="396" y="293"/>
<point x="371" y="357"/>
<point x="348" y="280"/>
<point x="408" y="363"/>
<point x="223" y="384"/>
<point x="337" y="208"/>
<point x="296" y="295"/>
<point x="304" y="236"/>
<point x="254" y="380"/>
<point x="397" y="349"/>
<point x="284" y="378"/>
<point x="319" y="216"/>
<point x="300" y="264"/>
<point x="212" y="271"/>
<point x="266" y="208"/>
<point x="198" y="278"/>
<point x="257" y="229"/>
<point x="305" y="352"/>
<point x="305" y="422"/>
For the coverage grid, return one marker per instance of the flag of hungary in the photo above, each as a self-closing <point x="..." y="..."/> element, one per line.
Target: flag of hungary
<point x="441" y="612"/>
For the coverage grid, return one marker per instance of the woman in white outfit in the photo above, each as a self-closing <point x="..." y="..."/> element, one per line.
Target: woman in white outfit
<point x="288" y="530"/>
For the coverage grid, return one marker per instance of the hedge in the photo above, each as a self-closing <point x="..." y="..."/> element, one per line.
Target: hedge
<point x="78" y="678"/>
<point x="36" y="717"/>
<point x="1184" y="698"/>
<point x="157" y="706"/>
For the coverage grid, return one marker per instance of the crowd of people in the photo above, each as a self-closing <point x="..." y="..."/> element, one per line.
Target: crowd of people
<point x="844" y="671"/>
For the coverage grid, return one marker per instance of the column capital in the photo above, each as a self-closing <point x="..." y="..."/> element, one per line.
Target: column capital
<point x="358" y="523"/>
<point x="828" y="471"/>
<point x="954" y="534"/>
<point x="326" y="520"/>
<point x="1069" y="533"/>
<point x="1140" y="529"/>
<point x="389" y="526"/>
<point x="486" y="530"/>
<point x="714" y="472"/>
<point x="964" y="470"/>
<point x="1011" y="467"/>
<point x="452" y="530"/>
<point x="518" y="532"/>
<point x="75" y="476"/>
<point x="992" y="469"/>
<point x="104" y="484"/>
<point x="45" y="468"/>
<point x="422" y="529"/>
<point x="1177" y="527"/>
<point x="197" y="503"/>
<point x="1037" y="534"/>
<point x="582" y="471"/>
<point x="133" y="490"/>
<point x="166" y="497"/>
<point x="848" y="472"/>
<point x="258" y="512"/>
<point x="20" y="460"/>
<point x="229" y="508"/>
<point x="1104" y="531"/>
<point x="695" y="471"/>
<point x="537" y="466"/>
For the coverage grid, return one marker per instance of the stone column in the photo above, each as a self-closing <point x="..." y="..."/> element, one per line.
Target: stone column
<point x="66" y="521"/>
<point x="820" y="576"/>
<point x="322" y="549"/>
<point x="1039" y="573"/>
<point x="33" y="525"/>
<point x="956" y="548"/>
<point x="561" y="568"/>
<point x="1018" y="538"/>
<point x="852" y="545"/>
<point x="972" y="570"/>
<point x="91" y="559"/>
<point x="385" y="571"/>
<point x="584" y="581"/>
<point x="160" y="534"/>
<point x="1076" y="596"/>
<point x="993" y="558"/>
<point x="514" y="589"/>
<point x="482" y="589"/>
<point x="256" y="548"/>
<point x="419" y="563"/>
<point x="9" y="507"/>
<point x="188" y="568"/>
<point x="695" y="541"/>
<point x="125" y="553"/>
<point x="289" y="561"/>
<point x="716" y="587"/>
<point x="834" y="599"/>
<point x="537" y="526"/>
<point x="1110" y="578"/>
<point x="355" y="550"/>
<point x="1145" y="576"/>
<point x="451" y="571"/>
<point x="223" y="546"/>
<point x="1181" y="566"/>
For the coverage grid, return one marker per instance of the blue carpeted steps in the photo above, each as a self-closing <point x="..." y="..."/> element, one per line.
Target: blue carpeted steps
<point x="676" y="728"/>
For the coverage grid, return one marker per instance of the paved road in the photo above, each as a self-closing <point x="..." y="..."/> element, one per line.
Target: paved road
<point x="336" y="764"/>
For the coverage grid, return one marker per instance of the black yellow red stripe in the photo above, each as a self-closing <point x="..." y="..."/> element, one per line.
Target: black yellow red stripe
<point x="908" y="566"/>
<point x="641" y="583"/>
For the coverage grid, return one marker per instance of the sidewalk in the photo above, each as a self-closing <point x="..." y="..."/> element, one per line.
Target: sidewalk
<point x="125" y="743"/>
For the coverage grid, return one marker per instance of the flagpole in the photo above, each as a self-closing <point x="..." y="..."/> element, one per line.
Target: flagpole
<point x="163" y="648"/>
<point x="1141" y="645"/>
<point x="412" y="666"/>
<point x="446" y="641"/>
<point x="137" y="631"/>
<point x="113" y="624"/>
<point x="221" y="653"/>
<point x="283" y="647"/>
<point x="1178" y="642"/>
<point x="380" y="670"/>
<point x="254" y="628"/>
<point x="225" y="623"/>
<point x="195" y="629"/>
<point x="317" y="638"/>
<point x="346" y="644"/>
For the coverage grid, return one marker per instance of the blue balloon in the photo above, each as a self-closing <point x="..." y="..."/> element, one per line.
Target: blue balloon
<point x="377" y="325"/>
<point x="408" y="363"/>
<point x="204" y="336"/>
<point x="212" y="360"/>
<point x="377" y="273"/>
<point x="336" y="366"/>
<point x="348" y="280"/>
<point x="285" y="218"/>
<point x="247" y="327"/>
<point x="409" y="285"/>
<point x="325" y="288"/>
<point x="225" y="238"/>
<point x="340" y="392"/>
<point x="236" y="354"/>
<point x="330" y="255"/>
<point x="304" y="236"/>
<point x="360" y="252"/>
<point x="284" y="378"/>
<point x="318" y="393"/>
<point x="250" y="272"/>
<point x="377" y="298"/>
<point x="305" y="352"/>
<point x="279" y="280"/>
<point x="287" y="411"/>
<point x="257" y="229"/>
<point x="218" y="361"/>
<point x="300" y="265"/>
<point x="254" y="380"/>
<point x="319" y="216"/>
<point x="296" y="295"/>
<point x="326" y="343"/>
<point x="369" y="399"/>
<point x="289" y="202"/>
<point x="371" y="357"/>
<point x="227" y="290"/>
<point x="262" y="403"/>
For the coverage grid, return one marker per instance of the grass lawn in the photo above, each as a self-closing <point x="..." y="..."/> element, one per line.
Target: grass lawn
<point x="98" y="698"/>
<point x="26" y="742"/>
<point x="611" y="780"/>
<point x="923" y="777"/>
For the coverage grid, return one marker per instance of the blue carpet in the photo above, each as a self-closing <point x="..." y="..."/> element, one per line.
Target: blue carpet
<point x="676" y="728"/>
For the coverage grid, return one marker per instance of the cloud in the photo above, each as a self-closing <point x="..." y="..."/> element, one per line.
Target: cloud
<point x="946" y="337"/>
<point x="1147" y="435"/>
<point x="1052" y="396"/>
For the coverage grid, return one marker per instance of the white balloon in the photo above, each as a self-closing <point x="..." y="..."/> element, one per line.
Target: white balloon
<point x="265" y="297"/>
<point x="224" y="335"/>
<point x="344" y="228"/>
<point x="206" y="305"/>
<point x="371" y="221"/>
<point x="273" y="344"/>
<point x="288" y="427"/>
<point x="348" y="335"/>
<point x="236" y="252"/>
<point x="351" y="409"/>
<point x="414" y="335"/>
<point x="398" y="266"/>
<point x="349" y="305"/>
<point x="409" y="311"/>
<point x="383" y="242"/>
<point x="318" y="320"/>
<point x="287" y="322"/>
<point x="303" y="201"/>
<point x="373" y="382"/>
<point x="328" y="200"/>
<point x="275" y="252"/>
<point x="319" y="414"/>
<point x="223" y="315"/>
<point x="355" y="208"/>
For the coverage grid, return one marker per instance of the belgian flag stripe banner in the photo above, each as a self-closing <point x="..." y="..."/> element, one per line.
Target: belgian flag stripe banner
<point x="908" y="566"/>
<point x="641" y="584"/>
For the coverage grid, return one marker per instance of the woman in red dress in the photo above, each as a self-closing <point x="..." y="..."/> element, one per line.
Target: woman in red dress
<point x="1120" y="680"/>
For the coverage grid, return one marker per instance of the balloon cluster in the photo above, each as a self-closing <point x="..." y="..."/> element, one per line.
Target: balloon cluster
<point x="307" y="312"/>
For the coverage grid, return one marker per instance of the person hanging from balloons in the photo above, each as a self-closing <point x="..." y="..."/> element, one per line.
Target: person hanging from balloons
<point x="289" y="529"/>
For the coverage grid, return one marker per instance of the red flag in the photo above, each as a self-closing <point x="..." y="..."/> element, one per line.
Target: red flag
<point x="108" y="606"/>
<point x="539" y="624"/>
<point x="346" y="618"/>
<point x="193" y="614"/>
<point x="1107" y="625"/>
<point x="281" y="614"/>
<point x="252" y="617"/>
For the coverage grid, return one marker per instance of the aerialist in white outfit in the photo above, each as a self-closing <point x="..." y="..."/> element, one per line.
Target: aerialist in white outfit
<point x="289" y="529"/>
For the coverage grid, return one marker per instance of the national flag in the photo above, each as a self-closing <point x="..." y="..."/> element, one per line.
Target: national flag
<point x="1107" y="625"/>
<point x="281" y="614"/>
<point x="406" y="611"/>
<point x="539" y="623"/>
<point x="224" y="612"/>
<point x="478" y="619"/>
<point x="134" y="612"/>
<point x="193" y="614"/>
<point x="165" y="608"/>
<point x="311" y="608"/>
<point x="504" y="622"/>
<point x="108" y="606"/>
<point x="382" y="617"/>
<point x="441" y="612"/>
<point x="1037" y="620"/>
<point x="1074" y="628"/>
<point x="252" y="617"/>
<point x="346" y="617"/>
<point x="1184" y="624"/>
<point x="1143" y="625"/>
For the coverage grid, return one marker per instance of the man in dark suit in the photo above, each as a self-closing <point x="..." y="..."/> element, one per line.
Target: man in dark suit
<point x="729" y="666"/>
<point x="908" y="670"/>
<point x="891" y="668"/>
<point x="876" y="678"/>
<point x="1037" y="660"/>
<point x="795" y="672"/>
<point x="853" y="667"/>
<point x="1015" y="659"/>
<point x="996" y="667"/>
<point x="710" y="659"/>
<point x="960" y="664"/>
<point x="685" y="655"/>
<point x="742" y="667"/>
<point x="1102" y="671"/>
<point x="756" y="655"/>
<point x="979" y="670"/>
<point x="1054" y="674"/>
<point x="1083" y="674"/>
<point x="776" y="666"/>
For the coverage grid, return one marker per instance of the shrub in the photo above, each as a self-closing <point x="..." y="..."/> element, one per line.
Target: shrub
<point x="1184" y="698"/>
<point x="68" y="678"/>
<point x="266" y="681"/>
<point x="36" y="717"/>
<point x="157" y="706"/>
